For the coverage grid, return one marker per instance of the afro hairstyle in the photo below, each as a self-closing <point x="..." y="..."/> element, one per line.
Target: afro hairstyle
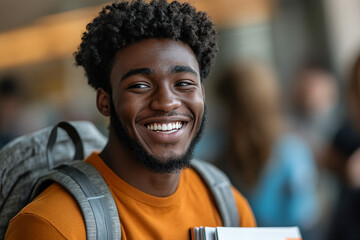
<point x="123" y="23"/>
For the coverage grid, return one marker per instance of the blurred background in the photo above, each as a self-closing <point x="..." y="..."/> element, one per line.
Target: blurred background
<point x="299" y="53"/>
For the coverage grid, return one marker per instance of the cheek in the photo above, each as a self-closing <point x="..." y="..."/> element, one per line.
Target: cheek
<point x="126" y="109"/>
<point x="196" y="104"/>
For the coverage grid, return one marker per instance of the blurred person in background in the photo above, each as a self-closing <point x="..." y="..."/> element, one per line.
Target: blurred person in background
<point x="273" y="168"/>
<point x="11" y="103"/>
<point x="313" y="106"/>
<point x="314" y="117"/>
<point x="344" y="159"/>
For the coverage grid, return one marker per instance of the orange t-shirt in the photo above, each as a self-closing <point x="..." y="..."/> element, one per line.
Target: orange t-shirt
<point x="54" y="214"/>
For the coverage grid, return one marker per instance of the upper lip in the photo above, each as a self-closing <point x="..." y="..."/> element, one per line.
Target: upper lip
<point x="177" y="118"/>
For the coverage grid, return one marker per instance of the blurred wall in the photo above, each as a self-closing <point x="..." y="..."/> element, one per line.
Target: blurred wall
<point x="344" y="33"/>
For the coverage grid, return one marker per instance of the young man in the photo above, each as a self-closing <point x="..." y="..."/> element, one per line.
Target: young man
<point x="147" y="62"/>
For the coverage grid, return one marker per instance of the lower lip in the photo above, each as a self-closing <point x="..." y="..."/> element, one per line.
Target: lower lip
<point x="167" y="132"/>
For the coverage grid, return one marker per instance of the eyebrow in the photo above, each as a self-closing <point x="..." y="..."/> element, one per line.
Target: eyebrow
<point x="148" y="71"/>
<point x="137" y="71"/>
<point x="180" y="68"/>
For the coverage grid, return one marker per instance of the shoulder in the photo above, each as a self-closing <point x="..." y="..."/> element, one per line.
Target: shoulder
<point x="32" y="227"/>
<point x="292" y="141"/>
<point x="54" y="213"/>
<point x="214" y="176"/>
<point x="246" y="215"/>
<point x="291" y="147"/>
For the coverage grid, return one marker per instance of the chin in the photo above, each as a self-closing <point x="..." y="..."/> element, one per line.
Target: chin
<point x="166" y="159"/>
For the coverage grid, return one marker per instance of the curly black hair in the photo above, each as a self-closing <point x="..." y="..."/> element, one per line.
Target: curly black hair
<point x="124" y="23"/>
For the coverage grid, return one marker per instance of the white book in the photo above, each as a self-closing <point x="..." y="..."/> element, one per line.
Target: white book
<point x="269" y="233"/>
<point x="242" y="233"/>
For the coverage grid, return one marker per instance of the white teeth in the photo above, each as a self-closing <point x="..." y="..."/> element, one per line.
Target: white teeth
<point x="164" y="126"/>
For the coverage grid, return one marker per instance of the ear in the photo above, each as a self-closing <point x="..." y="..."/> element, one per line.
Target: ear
<point x="103" y="102"/>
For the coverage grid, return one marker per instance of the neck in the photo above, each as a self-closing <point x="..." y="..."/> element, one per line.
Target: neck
<point x="124" y="163"/>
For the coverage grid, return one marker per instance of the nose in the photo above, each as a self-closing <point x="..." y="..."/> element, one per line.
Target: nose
<point x="165" y="100"/>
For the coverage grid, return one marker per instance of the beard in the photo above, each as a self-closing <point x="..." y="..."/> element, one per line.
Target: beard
<point x="148" y="161"/>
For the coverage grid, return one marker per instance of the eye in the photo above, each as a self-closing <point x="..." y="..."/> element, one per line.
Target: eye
<point x="184" y="83"/>
<point x="138" y="86"/>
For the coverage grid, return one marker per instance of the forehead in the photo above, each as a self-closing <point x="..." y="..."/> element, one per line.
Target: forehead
<point x="157" y="54"/>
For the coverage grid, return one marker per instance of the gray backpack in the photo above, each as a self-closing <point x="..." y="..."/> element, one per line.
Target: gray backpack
<point x="32" y="162"/>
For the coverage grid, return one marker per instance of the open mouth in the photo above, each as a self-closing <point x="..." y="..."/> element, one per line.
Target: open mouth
<point x="165" y="127"/>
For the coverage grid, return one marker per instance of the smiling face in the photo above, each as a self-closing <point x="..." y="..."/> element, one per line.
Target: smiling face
<point x="158" y="98"/>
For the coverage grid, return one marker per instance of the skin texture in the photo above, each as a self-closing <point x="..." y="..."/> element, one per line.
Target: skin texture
<point x="152" y="81"/>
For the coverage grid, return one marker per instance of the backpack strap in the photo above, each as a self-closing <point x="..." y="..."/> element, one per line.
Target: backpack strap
<point x="220" y="186"/>
<point x="93" y="196"/>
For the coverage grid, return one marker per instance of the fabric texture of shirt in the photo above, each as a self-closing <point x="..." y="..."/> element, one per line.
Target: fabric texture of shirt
<point x="54" y="214"/>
